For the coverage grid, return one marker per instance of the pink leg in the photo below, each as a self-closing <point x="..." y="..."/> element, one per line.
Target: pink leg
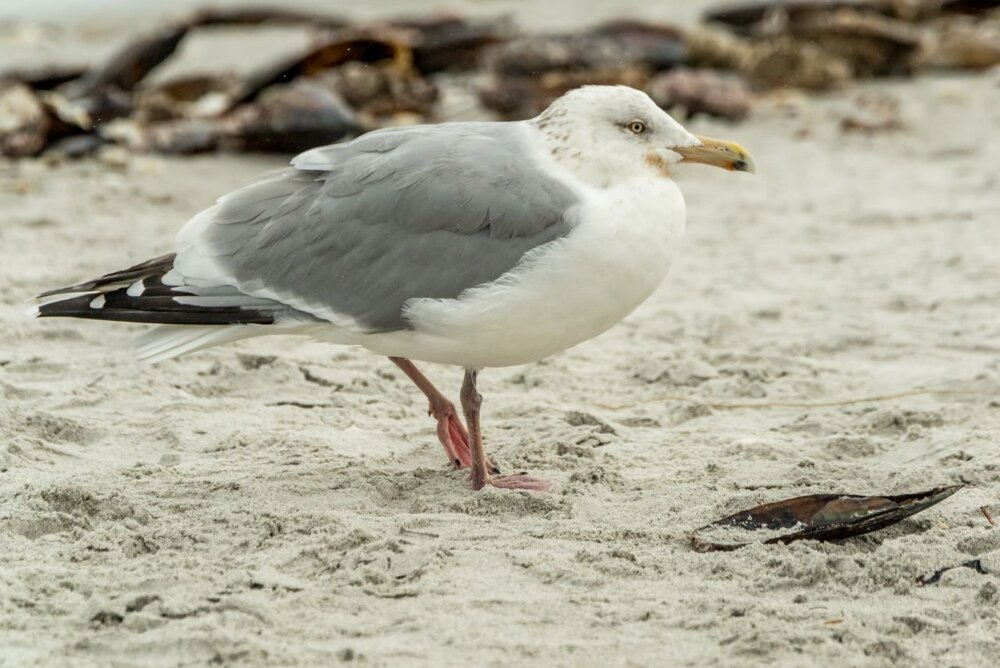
<point x="450" y="430"/>
<point x="471" y="403"/>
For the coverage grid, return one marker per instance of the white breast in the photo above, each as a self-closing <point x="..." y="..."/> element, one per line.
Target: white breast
<point x="566" y="292"/>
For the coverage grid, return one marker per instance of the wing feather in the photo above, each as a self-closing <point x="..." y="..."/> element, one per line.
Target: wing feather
<point x="353" y="231"/>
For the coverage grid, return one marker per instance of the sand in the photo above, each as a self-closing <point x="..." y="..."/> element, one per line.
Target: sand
<point x="831" y="326"/>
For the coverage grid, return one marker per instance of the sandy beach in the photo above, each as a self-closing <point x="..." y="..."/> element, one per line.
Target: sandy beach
<point x="831" y="325"/>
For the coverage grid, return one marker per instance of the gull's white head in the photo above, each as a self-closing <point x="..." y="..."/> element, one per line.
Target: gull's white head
<point x="608" y="133"/>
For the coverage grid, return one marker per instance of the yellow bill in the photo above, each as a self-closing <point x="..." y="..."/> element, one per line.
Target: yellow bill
<point x="718" y="153"/>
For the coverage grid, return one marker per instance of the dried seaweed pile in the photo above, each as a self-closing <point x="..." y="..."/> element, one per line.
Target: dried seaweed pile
<point x="356" y="77"/>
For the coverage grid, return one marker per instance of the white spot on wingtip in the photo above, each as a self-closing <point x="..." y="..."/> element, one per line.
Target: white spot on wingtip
<point x="32" y="311"/>
<point x="136" y="289"/>
<point x="97" y="302"/>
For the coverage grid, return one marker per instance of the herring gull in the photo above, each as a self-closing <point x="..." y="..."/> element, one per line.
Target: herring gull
<point x="472" y="244"/>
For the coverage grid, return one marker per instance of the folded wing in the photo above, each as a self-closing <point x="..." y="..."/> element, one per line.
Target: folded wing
<point x="348" y="235"/>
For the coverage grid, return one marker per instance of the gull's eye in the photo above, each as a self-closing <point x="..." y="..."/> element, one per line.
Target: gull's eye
<point x="636" y="127"/>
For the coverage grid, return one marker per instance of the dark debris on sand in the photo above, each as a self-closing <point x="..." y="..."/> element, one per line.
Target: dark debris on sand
<point x="357" y="77"/>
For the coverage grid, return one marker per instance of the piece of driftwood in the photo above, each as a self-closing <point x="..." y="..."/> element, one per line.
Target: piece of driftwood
<point x="130" y="64"/>
<point x="329" y="51"/>
<point x="43" y="77"/>
<point x="261" y="15"/>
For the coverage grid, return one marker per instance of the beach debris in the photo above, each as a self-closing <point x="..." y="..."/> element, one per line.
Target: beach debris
<point x="858" y="38"/>
<point x="360" y="76"/>
<point x="712" y="47"/>
<point x="184" y="136"/>
<point x="780" y="61"/>
<point x="130" y="64"/>
<point x="283" y="119"/>
<point x="371" y="71"/>
<point x="24" y="124"/>
<point x="935" y="577"/>
<point x="962" y="42"/>
<point x="330" y="51"/>
<point x="258" y="15"/>
<point x="191" y="96"/>
<point x="746" y="18"/>
<point x="968" y="6"/>
<point x="536" y="55"/>
<point x="785" y="62"/>
<point x="451" y="43"/>
<point x="103" y="93"/>
<point x="288" y="119"/>
<point x="873" y="113"/>
<point x="382" y="93"/>
<point x="871" y="44"/>
<point x="655" y="45"/>
<point x="516" y="98"/>
<point x="986" y="513"/>
<point x="814" y="517"/>
<point x="75" y="147"/>
<point x="85" y="112"/>
<point x="528" y="72"/>
<point x="43" y="77"/>
<point x="78" y="102"/>
<point x="690" y="92"/>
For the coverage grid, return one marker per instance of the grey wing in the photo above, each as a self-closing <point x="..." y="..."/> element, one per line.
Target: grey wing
<point x="354" y="231"/>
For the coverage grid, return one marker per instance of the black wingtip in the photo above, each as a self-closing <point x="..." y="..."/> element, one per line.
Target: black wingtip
<point x="121" y="307"/>
<point x="154" y="267"/>
<point x="108" y="298"/>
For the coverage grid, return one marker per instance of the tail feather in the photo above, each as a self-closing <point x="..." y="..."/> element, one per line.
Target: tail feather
<point x="163" y="343"/>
